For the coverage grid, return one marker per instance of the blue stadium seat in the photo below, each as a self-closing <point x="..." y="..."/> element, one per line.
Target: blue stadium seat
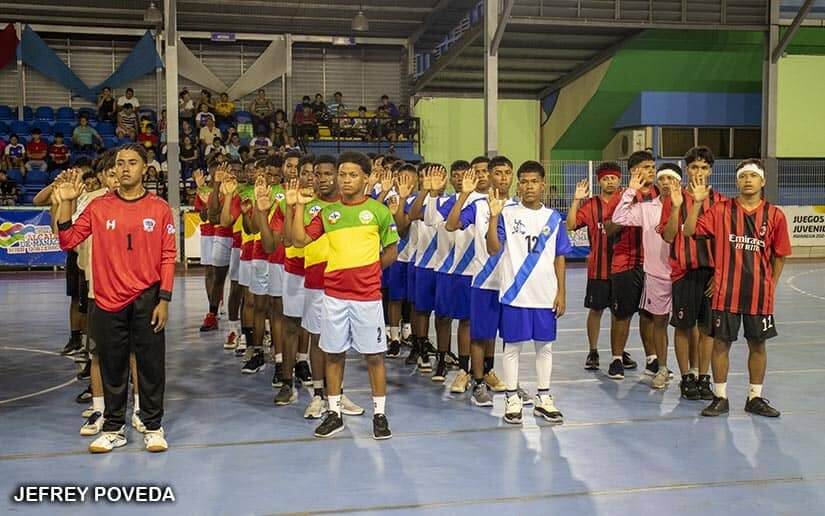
<point x="44" y="126"/>
<point x="28" y="113"/>
<point x="89" y="112"/>
<point x="65" y="114"/>
<point x="53" y="174"/>
<point x="20" y="128"/>
<point x="15" y="175"/>
<point x="29" y="192"/>
<point x="6" y="113"/>
<point x="109" y="141"/>
<point x="4" y="128"/>
<point x="37" y="177"/>
<point x="44" y="113"/>
<point x="105" y="129"/>
<point x="64" y="127"/>
<point x="242" y="116"/>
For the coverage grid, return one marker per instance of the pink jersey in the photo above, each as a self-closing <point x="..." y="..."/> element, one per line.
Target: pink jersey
<point x="647" y="216"/>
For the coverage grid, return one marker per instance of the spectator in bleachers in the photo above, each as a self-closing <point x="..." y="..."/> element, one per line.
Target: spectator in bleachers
<point x="189" y="156"/>
<point x="152" y="180"/>
<point x="280" y="128"/>
<point x="224" y="109"/>
<point x="244" y="152"/>
<point x="37" y="151"/>
<point x="209" y="133"/>
<point x="233" y="148"/>
<point x="206" y="98"/>
<point x="291" y="144"/>
<point x="106" y="105"/>
<point x="187" y="130"/>
<point x="151" y="159"/>
<point x="162" y="126"/>
<point x="8" y="190"/>
<point x="299" y="108"/>
<point x="15" y="153"/>
<point x="3" y="144"/>
<point x="260" y="142"/>
<point x="148" y="138"/>
<point x="320" y="109"/>
<point x="186" y="107"/>
<point x="59" y="153"/>
<point x="86" y="137"/>
<point x="359" y="125"/>
<point x="128" y="98"/>
<point x="391" y="109"/>
<point x="127" y="122"/>
<point x="305" y="123"/>
<point x="337" y="105"/>
<point x="262" y="110"/>
<point x="404" y="126"/>
<point x="378" y="125"/>
<point x="203" y="115"/>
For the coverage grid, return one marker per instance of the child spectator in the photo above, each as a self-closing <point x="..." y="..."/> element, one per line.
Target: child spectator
<point x="8" y="190"/>
<point x="224" y="109"/>
<point x="203" y="115"/>
<point x="280" y="128"/>
<point x="15" y="153"/>
<point x="126" y="122"/>
<point x="37" y="151"/>
<point x="59" y="153"/>
<point x="305" y="123"/>
<point x="148" y="138"/>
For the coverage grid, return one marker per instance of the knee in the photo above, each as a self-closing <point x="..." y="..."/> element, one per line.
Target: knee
<point x="375" y="359"/>
<point x="757" y="347"/>
<point x="335" y="358"/>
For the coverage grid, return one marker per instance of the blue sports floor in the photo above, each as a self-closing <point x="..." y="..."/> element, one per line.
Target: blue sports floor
<point x="623" y="449"/>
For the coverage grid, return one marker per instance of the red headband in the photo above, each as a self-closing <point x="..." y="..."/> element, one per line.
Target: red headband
<point x="609" y="172"/>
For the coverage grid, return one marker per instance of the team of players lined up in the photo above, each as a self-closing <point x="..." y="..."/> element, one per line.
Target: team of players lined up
<point x="330" y="252"/>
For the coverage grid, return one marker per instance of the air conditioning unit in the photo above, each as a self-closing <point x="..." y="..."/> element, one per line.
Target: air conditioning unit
<point x="630" y="141"/>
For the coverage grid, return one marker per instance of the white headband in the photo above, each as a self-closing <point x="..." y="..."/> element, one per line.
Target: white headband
<point x="669" y="172"/>
<point x="751" y="167"/>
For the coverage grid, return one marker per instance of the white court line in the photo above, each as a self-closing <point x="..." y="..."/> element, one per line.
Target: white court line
<point x="790" y="284"/>
<point x="44" y="391"/>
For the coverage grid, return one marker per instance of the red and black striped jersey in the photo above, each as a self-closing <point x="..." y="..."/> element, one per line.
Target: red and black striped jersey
<point x="593" y="213"/>
<point x="628" y="252"/>
<point x="688" y="253"/>
<point x="744" y="243"/>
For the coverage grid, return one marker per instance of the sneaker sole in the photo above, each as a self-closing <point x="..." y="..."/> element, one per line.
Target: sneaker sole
<point x="631" y="367"/>
<point x="557" y="420"/>
<point x="512" y="421"/>
<point x="616" y="376"/>
<point x="313" y="416"/>
<point x="481" y="404"/>
<point x="229" y="348"/>
<point x="95" y="449"/>
<point x="650" y="373"/>
<point x="763" y="415"/>
<point x="353" y="412"/>
<point x="284" y="404"/>
<point x="339" y="429"/>
<point x="382" y="438"/>
<point x="706" y="414"/>
<point x="157" y="449"/>
<point x="591" y="368"/>
<point x="439" y="379"/>
<point x="252" y="371"/>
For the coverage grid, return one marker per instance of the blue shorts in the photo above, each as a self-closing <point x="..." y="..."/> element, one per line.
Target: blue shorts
<point x="385" y="278"/>
<point x="411" y="273"/>
<point x="444" y="289"/>
<point x="460" y="297"/>
<point x="522" y="324"/>
<point x="424" y="290"/>
<point x="484" y="313"/>
<point x="398" y="281"/>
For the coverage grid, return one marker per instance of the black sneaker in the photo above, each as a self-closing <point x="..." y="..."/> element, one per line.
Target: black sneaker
<point x="380" y="427"/>
<point x="703" y="384"/>
<point x="440" y="373"/>
<point x="331" y="425"/>
<point x="616" y="370"/>
<point x="412" y="358"/>
<point x="427" y="347"/>
<point x="286" y="395"/>
<point x="394" y="349"/>
<point x="452" y="361"/>
<point x="254" y="364"/>
<point x="72" y="348"/>
<point x="689" y="388"/>
<point x="760" y="407"/>
<point x="717" y="407"/>
<point x="84" y="396"/>
<point x="652" y="368"/>
<point x="86" y="372"/>
<point x="302" y="374"/>
<point x="278" y="375"/>
<point x="592" y="362"/>
<point x="628" y="362"/>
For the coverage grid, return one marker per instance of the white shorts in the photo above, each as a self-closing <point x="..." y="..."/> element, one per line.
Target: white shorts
<point x="245" y="272"/>
<point x="293" y="294"/>
<point x="207" y="243"/>
<point x="349" y="324"/>
<point x="234" y="263"/>
<point x="276" y="279"/>
<point x="259" y="283"/>
<point x="313" y="308"/>
<point x="657" y="295"/>
<point x="221" y="251"/>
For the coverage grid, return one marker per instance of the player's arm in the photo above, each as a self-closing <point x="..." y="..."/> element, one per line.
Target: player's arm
<point x="230" y="201"/>
<point x="700" y="191"/>
<point x="560" y="304"/>
<point x="777" y="264"/>
<point x="43" y="197"/>
<point x="672" y="226"/>
<point x="404" y="185"/>
<point x="417" y="208"/>
<point x="582" y="192"/>
<point x="468" y="184"/>
<point x="71" y="233"/>
<point x="213" y="206"/>
<point x="389" y="255"/>
<point x="627" y="213"/>
<point x="299" y="235"/>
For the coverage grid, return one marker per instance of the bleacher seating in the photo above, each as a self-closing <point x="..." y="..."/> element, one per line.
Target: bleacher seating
<point x="64" y="127"/>
<point x="37" y="177"/>
<point x="44" y="113"/>
<point x="28" y="114"/>
<point x="44" y="126"/>
<point x="21" y="128"/>
<point x="243" y="117"/>
<point x="65" y="114"/>
<point x="6" y="113"/>
<point x="4" y="129"/>
<point x="15" y="175"/>
<point x="150" y="113"/>
<point x="90" y="113"/>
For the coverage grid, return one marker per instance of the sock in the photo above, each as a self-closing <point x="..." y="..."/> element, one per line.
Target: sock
<point x="694" y="371"/>
<point x="279" y="358"/>
<point x="441" y="355"/>
<point x="543" y="393"/>
<point x="720" y="390"/>
<point x="137" y="403"/>
<point x="464" y="362"/>
<point x="303" y="357"/>
<point x="544" y="364"/>
<point x="406" y="330"/>
<point x="378" y="403"/>
<point x="395" y="333"/>
<point x="248" y="333"/>
<point x="650" y="358"/>
<point x="335" y="404"/>
<point x="213" y="309"/>
<point x="488" y="364"/>
<point x="512" y="350"/>
<point x="754" y="391"/>
<point x="97" y="404"/>
<point x="77" y="336"/>
<point x="619" y="358"/>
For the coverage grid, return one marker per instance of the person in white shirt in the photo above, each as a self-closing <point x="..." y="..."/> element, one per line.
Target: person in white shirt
<point x="128" y="98"/>
<point x="209" y="133"/>
<point x="532" y="241"/>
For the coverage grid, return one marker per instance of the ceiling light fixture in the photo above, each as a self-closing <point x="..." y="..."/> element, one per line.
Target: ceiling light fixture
<point x="152" y="14"/>
<point x="360" y="23"/>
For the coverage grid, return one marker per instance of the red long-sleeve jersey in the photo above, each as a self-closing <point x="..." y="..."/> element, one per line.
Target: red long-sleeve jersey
<point x="133" y="247"/>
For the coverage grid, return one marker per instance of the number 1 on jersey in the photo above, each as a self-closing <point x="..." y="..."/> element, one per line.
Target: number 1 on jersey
<point x="129" y="242"/>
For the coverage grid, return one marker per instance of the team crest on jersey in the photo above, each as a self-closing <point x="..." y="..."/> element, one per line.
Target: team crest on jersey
<point x="280" y="196"/>
<point x="334" y="217"/>
<point x="365" y="217"/>
<point x="314" y="210"/>
<point x="148" y="225"/>
<point x="545" y="231"/>
<point x="519" y="228"/>
<point x="680" y="314"/>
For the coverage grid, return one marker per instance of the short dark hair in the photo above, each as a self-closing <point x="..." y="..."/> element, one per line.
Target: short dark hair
<point x="499" y="161"/>
<point x="58" y="134"/>
<point x="385" y="97"/>
<point x="479" y="159"/>
<point x="750" y="161"/>
<point x="389" y="160"/>
<point x="84" y="116"/>
<point x="701" y="152"/>
<point x="337" y="93"/>
<point x="91" y="174"/>
<point x="274" y="161"/>
<point x="325" y="159"/>
<point x="362" y="108"/>
<point x="128" y="105"/>
<point x="460" y="164"/>
<point x="243" y="148"/>
<point x="639" y="157"/>
<point x="292" y="154"/>
<point x="530" y="166"/>
<point x="106" y="160"/>
<point x="36" y="130"/>
<point x="139" y="149"/>
<point x="306" y="158"/>
<point x="397" y="165"/>
<point x="356" y="158"/>
<point x="607" y="165"/>
<point x="407" y="167"/>
<point x="129" y="89"/>
<point x="305" y="97"/>
<point x="423" y="165"/>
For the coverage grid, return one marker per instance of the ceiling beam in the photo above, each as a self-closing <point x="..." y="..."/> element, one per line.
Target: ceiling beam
<point x="428" y="20"/>
<point x="502" y="26"/>
<point x="539" y="78"/>
<point x="466" y="40"/>
<point x="789" y="33"/>
<point x="308" y="6"/>
<point x="525" y="64"/>
<point x="537" y="21"/>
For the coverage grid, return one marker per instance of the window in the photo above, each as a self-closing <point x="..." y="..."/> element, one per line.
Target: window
<point x="747" y="143"/>
<point x="676" y="141"/>
<point x="717" y="138"/>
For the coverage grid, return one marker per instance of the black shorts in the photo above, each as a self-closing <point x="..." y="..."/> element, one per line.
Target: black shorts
<point x="597" y="296"/>
<point x="691" y="306"/>
<point x="725" y="326"/>
<point x="626" y="292"/>
<point x="72" y="275"/>
<point x="83" y="293"/>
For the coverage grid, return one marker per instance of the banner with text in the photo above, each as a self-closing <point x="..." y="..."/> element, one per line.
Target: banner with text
<point x="806" y="225"/>
<point x="26" y="239"/>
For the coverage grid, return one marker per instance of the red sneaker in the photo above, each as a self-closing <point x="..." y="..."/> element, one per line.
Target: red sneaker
<point x="231" y="341"/>
<point x="210" y="322"/>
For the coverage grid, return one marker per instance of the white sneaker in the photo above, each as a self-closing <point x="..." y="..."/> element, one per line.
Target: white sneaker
<point x="316" y="408"/>
<point x="348" y="408"/>
<point x="155" y="441"/>
<point x="660" y="380"/>
<point x="88" y="412"/>
<point x="137" y="423"/>
<point x="512" y="410"/>
<point x="108" y="441"/>
<point x="93" y="425"/>
<point x="546" y="409"/>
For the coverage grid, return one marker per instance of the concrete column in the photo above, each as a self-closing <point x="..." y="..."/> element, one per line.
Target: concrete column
<point x="491" y="10"/>
<point x="172" y="129"/>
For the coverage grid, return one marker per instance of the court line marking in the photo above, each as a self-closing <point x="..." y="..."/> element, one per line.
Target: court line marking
<point x="571" y="494"/>
<point x="44" y="391"/>
<point x="789" y="281"/>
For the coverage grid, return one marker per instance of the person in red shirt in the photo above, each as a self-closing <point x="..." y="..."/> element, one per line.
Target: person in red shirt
<point x="147" y="137"/>
<point x="750" y="243"/>
<point x="134" y="252"/>
<point x="37" y="151"/>
<point x="595" y="213"/>
<point x="59" y="153"/>
<point x="692" y="276"/>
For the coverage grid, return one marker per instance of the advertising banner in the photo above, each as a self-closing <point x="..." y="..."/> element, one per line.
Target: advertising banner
<point x="26" y="239"/>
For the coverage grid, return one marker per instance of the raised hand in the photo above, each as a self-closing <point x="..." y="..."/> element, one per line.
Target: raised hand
<point x="404" y="184"/>
<point x="469" y="181"/>
<point x="375" y="176"/>
<point x="71" y="187"/>
<point x="427" y="181"/>
<point x="676" y="197"/>
<point x="438" y="179"/>
<point x="386" y="181"/>
<point x="496" y="200"/>
<point x="393" y="204"/>
<point x="197" y="175"/>
<point x="700" y="188"/>
<point x="292" y="192"/>
<point x="263" y="195"/>
<point x="637" y="181"/>
<point x="221" y="172"/>
<point x="582" y="190"/>
<point x="229" y="185"/>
